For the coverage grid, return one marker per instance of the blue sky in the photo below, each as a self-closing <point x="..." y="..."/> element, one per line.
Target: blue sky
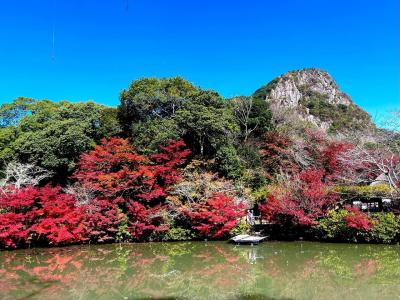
<point x="232" y="46"/>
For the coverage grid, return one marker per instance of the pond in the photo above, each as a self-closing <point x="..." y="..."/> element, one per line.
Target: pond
<point x="202" y="270"/>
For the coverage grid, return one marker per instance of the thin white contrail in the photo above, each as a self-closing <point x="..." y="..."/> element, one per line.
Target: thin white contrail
<point x="53" y="52"/>
<point x="53" y="55"/>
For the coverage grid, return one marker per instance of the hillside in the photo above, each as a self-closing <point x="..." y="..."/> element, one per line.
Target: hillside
<point x="312" y="95"/>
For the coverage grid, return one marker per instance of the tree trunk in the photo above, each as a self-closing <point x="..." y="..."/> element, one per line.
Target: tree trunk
<point x="201" y="141"/>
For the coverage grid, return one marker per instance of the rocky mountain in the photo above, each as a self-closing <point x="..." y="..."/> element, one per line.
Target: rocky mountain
<point x="312" y="95"/>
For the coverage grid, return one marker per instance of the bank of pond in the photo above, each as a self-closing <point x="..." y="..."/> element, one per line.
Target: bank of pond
<point x="203" y="270"/>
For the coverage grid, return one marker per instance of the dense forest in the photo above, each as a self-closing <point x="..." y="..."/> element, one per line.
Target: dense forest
<point x="177" y="162"/>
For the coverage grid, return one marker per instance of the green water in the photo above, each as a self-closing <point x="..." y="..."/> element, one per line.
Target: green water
<point x="200" y="270"/>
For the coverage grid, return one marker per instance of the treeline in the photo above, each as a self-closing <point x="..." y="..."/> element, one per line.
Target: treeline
<point x="152" y="112"/>
<point x="176" y="162"/>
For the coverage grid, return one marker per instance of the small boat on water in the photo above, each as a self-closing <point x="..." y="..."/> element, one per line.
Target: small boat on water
<point x="247" y="239"/>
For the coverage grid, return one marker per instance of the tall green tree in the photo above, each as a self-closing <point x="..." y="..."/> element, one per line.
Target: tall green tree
<point x="149" y="135"/>
<point x="207" y="122"/>
<point x="12" y="113"/>
<point x="53" y="134"/>
<point x="150" y="98"/>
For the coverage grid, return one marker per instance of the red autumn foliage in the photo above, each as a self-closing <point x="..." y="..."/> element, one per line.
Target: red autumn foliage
<point x="40" y="216"/>
<point x="112" y="169"/>
<point x="102" y="218"/>
<point x="330" y="158"/>
<point x="325" y="154"/>
<point x="164" y="169"/>
<point x="304" y="197"/>
<point x="60" y="222"/>
<point x="143" y="221"/>
<point x="303" y="201"/>
<point x="13" y="231"/>
<point x="357" y="219"/>
<point x="280" y="154"/>
<point x="129" y="191"/>
<point x="276" y="155"/>
<point x="216" y="216"/>
<point x="129" y="186"/>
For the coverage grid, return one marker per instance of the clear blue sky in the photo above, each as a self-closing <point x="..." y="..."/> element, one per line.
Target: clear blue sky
<point x="230" y="46"/>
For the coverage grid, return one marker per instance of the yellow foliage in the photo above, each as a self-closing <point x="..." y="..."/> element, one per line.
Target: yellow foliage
<point x="364" y="191"/>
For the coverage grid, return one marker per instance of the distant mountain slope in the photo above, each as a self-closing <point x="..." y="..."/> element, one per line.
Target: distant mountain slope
<point x="312" y="95"/>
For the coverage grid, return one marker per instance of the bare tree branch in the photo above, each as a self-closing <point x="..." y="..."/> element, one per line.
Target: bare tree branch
<point x="22" y="175"/>
<point x="82" y="194"/>
<point x="242" y="108"/>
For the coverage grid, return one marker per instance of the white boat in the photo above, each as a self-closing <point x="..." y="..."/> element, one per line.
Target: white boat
<point x="247" y="239"/>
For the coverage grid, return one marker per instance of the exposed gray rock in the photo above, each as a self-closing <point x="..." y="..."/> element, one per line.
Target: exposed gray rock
<point x="285" y="94"/>
<point x="301" y="94"/>
<point x="288" y="88"/>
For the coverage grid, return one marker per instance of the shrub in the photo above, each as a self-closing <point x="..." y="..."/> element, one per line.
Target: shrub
<point x="333" y="225"/>
<point x="144" y="221"/>
<point x="179" y="234"/>
<point x="345" y="225"/>
<point x="255" y="180"/>
<point x="216" y="216"/>
<point x="357" y="220"/>
<point x="40" y="216"/>
<point x="130" y="189"/>
<point x="103" y="219"/>
<point x="242" y="227"/>
<point x="228" y="162"/>
<point x="385" y="228"/>
<point x="250" y="156"/>
<point x="262" y="193"/>
<point x="303" y="200"/>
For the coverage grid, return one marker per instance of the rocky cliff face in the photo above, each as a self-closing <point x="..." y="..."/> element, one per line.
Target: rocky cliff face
<point x="312" y="95"/>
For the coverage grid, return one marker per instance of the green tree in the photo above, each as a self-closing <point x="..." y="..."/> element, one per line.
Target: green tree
<point x="149" y="98"/>
<point x="153" y="111"/>
<point x="55" y="147"/>
<point x="11" y="113"/>
<point x="228" y="162"/>
<point x="53" y="134"/>
<point x="261" y="117"/>
<point x="108" y="123"/>
<point x="207" y="122"/>
<point x="7" y="136"/>
<point x="148" y="135"/>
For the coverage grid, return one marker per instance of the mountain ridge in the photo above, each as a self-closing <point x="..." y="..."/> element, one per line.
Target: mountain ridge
<point x="312" y="95"/>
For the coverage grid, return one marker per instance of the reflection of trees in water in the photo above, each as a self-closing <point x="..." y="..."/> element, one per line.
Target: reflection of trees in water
<point x="148" y="270"/>
<point x="196" y="269"/>
<point x="320" y="271"/>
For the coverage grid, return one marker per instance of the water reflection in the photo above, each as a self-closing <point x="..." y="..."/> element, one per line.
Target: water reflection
<point x="197" y="270"/>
